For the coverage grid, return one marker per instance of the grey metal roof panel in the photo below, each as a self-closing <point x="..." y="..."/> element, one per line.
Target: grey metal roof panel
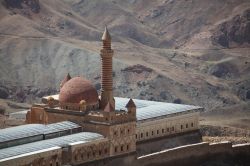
<point x="61" y="126"/>
<point x="45" y="144"/>
<point x="152" y="109"/>
<point x="29" y="130"/>
<point x="22" y="131"/>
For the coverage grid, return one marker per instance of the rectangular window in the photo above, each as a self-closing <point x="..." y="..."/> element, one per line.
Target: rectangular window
<point x="173" y="128"/>
<point x="147" y="134"/>
<point x="105" y="150"/>
<point x="157" y="131"/>
<point x="115" y="149"/>
<point x="192" y="124"/>
<point x="181" y="126"/>
<point x="100" y="152"/>
<point x="162" y="130"/>
<point x="128" y="131"/>
<point x="186" y="125"/>
<point x="152" y="132"/>
<point x="141" y="135"/>
<point x="127" y="147"/>
<point x="122" y="148"/>
<point x="136" y="136"/>
<point x="167" y="129"/>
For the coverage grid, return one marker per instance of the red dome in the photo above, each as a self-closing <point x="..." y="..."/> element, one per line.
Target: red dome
<point x="77" y="89"/>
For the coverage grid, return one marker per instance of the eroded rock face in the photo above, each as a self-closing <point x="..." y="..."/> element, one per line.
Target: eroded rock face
<point x="3" y="93"/>
<point x="138" y="69"/>
<point x="223" y="70"/>
<point x="242" y="89"/>
<point x="234" y="31"/>
<point x="20" y="4"/>
<point x="248" y="95"/>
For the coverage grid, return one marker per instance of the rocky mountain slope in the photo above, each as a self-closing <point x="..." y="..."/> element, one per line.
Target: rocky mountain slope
<point x="188" y="51"/>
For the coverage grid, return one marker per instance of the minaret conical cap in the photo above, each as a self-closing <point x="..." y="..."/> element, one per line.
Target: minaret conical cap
<point x="106" y="35"/>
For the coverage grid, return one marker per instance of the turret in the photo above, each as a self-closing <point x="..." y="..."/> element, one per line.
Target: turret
<point x="66" y="79"/>
<point x="131" y="107"/>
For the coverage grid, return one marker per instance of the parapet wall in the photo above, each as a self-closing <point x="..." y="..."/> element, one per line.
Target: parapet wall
<point x="193" y="152"/>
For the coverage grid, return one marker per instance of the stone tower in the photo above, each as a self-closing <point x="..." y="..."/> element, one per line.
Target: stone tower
<point x="107" y="73"/>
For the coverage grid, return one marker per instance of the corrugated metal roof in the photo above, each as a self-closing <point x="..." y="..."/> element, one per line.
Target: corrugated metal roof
<point x="151" y="109"/>
<point x="61" y="126"/>
<point x="45" y="144"/>
<point x="29" y="130"/>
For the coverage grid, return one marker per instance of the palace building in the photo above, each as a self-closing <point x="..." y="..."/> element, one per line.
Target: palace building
<point x="79" y="126"/>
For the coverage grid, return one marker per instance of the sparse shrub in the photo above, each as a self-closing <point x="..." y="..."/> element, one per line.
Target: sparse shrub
<point x="2" y="110"/>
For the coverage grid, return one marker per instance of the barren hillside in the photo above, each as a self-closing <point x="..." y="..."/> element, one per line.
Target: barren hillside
<point x="187" y="51"/>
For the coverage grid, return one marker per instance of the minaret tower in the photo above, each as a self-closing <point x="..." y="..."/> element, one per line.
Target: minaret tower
<point x="107" y="73"/>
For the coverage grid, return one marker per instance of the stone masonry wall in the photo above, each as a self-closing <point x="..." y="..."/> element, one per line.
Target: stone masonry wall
<point x="192" y="152"/>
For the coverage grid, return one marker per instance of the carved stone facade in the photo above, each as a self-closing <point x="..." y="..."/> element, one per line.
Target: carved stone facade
<point x="147" y="130"/>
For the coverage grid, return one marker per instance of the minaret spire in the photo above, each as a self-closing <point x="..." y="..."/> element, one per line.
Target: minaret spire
<point x="106" y="35"/>
<point x="107" y="73"/>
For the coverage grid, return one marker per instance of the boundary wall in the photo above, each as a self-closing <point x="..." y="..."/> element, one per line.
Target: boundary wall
<point x="199" y="151"/>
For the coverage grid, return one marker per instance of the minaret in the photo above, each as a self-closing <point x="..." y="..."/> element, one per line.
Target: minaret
<point x="107" y="73"/>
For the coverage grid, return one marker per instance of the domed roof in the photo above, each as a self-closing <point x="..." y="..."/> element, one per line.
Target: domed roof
<point x="77" y="89"/>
